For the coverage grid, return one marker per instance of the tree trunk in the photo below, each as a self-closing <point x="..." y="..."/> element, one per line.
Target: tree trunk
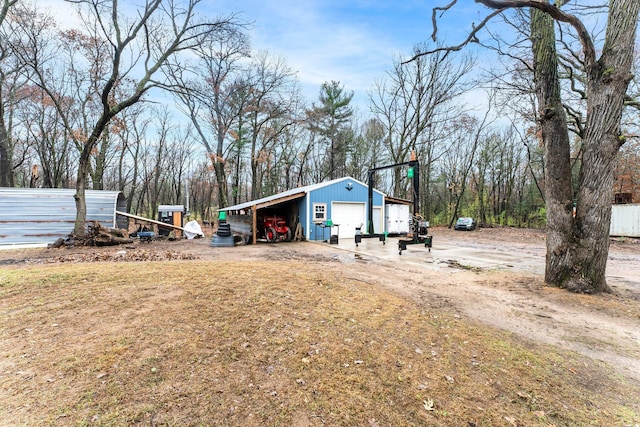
<point x="6" y="169"/>
<point x="84" y="169"/>
<point x="555" y="135"/>
<point x="607" y="82"/>
<point x="219" y="160"/>
<point x="97" y="175"/>
<point x="81" y="185"/>
<point x="577" y="249"/>
<point x="221" y="178"/>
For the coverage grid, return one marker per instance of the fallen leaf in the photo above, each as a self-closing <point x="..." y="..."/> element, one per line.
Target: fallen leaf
<point x="428" y="405"/>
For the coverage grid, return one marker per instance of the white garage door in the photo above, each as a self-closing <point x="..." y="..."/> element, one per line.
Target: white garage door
<point x="348" y="216"/>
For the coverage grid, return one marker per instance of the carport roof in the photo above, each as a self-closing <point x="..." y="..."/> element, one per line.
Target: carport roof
<point x="397" y="201"/>
<point x="285" y="196"/>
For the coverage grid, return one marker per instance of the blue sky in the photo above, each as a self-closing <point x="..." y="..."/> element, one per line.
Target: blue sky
<point x="352" y="42"/>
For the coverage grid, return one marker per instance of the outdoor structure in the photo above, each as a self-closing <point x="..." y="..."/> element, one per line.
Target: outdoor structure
<point x="625" y="220"/>
<point x="38" y="216"/>
<point x="627" y="187"/>
<point x="314" y="212"/>
<point x="397" y="214"/>
<point x="173" y="215"/>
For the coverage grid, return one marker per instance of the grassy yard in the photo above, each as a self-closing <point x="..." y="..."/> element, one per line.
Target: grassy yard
<point x="272" y="343"/>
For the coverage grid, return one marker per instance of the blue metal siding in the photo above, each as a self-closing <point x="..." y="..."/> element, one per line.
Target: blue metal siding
<point x="303" y="214"/>
<point x="39" y="216"/>
<point x="336" y="192"/>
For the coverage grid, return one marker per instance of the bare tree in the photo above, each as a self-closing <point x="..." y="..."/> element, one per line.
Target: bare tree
<point x="137" y="48"/>
<point x="578" y="246"/>
<point x="415" y="103"/>
<point x="9" y="68"/>
<point x="213" y="97"/>
<point x="271" y="111"/>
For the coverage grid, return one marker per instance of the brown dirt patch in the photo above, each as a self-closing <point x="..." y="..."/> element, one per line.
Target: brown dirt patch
<point x="309" y="334"/>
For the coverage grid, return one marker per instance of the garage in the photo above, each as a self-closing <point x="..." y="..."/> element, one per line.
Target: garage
<point x="348" y="216"/>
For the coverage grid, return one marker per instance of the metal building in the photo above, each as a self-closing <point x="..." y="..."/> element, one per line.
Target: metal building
<point x="341" y="203"/>
<point x="38" y="216"/>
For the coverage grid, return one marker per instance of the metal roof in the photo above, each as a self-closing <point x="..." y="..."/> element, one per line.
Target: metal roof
<point x="37" y="216"/>
<point x="294" y="193"/>
<point x="170" y="208"/>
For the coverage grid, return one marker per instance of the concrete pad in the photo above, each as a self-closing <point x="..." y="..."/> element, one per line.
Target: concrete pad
<point x="441" y="257"/>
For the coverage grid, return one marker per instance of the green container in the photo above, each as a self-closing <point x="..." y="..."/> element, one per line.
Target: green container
<point x="222" y="216"/>
<point x="328" y="223"/>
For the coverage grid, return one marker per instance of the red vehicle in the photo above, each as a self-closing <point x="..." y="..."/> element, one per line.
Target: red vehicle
<point x="276" y="229"/>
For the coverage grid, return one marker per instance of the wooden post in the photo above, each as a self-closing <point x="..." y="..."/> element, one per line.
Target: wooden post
<point x="254" y="224"/>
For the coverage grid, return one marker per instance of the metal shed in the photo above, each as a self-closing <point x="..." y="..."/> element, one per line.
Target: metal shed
<point x="342" y="201"/>
<point x="38" y="216"/>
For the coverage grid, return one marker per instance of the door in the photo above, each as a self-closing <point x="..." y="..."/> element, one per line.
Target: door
<point x="348" y="216"/>
<point x="377" y="220"/>
<point x="397" y="219"/>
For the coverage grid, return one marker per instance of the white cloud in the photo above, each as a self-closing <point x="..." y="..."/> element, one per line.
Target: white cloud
<point x="352" y="42"/>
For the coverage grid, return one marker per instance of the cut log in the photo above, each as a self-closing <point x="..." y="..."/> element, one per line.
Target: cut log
<point x="100" y="236"/>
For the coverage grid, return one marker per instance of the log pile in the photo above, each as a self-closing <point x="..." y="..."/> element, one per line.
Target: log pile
<point x="96" y="235"/>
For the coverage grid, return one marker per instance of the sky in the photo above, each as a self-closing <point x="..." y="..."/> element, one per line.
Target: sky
<point x="350" y="41"/>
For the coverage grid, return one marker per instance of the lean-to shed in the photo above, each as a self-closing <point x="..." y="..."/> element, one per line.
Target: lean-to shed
<point x="38" y="216"/>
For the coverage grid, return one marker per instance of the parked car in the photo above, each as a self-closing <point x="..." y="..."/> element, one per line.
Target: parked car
<point x="465" y="223"/>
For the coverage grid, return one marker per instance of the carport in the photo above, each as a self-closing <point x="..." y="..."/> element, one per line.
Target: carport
<point x="244" y="217"/>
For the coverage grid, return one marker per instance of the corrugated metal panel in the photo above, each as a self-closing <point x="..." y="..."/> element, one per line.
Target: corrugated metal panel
<point x="170" y="208"/>
<point x="625" y="220"/>
<point x="41" y="215"/>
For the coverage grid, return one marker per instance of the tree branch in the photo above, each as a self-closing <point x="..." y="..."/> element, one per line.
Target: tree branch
<point x="434" y="19"/>
<point x="556" y="13"/>
<point x="470" y="38"/>
<point x="500" y="6"/>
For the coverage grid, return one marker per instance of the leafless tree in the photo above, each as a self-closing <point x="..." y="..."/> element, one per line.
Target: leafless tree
<point x="212" y="97"/>
<point x="9" y="84"/>
<point x="577" y="245"/>
<point x="137" y="48"/>
<point x="272" y="107"/>
<point x="415" y="103"/>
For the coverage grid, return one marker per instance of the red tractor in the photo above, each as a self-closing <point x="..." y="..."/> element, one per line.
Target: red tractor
<point x="276" y="229"/>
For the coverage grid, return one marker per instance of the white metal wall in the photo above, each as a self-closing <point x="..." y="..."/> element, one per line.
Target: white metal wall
<point x="37" y="216"/>
<point x="625" y="221"/>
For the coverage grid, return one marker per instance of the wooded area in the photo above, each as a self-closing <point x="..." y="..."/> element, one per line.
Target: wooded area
<point x="165" y="102"/>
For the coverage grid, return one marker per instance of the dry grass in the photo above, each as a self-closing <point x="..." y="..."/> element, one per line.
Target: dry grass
<point x="272" y="343"/>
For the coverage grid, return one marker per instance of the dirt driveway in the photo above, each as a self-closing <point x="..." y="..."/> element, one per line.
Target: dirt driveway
<point x="492" y="276"/>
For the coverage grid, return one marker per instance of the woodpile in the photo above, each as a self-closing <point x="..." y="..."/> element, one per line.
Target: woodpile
<point x="96" y="235"/>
